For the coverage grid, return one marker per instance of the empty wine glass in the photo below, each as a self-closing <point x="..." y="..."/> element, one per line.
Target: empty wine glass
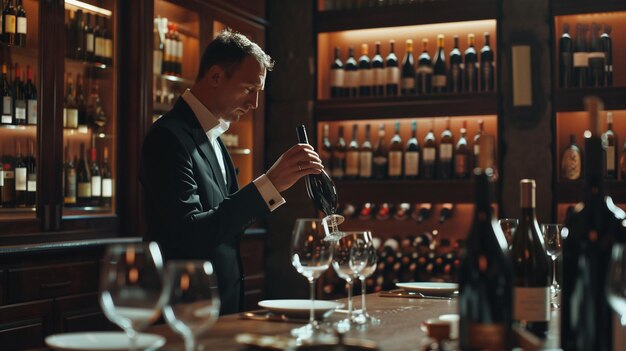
<point x="363" y="259"/>
<point x="131" y="286"/>
<point x="508" y="226"/>
<point x="191" y="299"/>
<point x="553" y="239"/>
<point x="616" y="285"/>
<point x="311" y="255"/>
<point x="343" y="261"/>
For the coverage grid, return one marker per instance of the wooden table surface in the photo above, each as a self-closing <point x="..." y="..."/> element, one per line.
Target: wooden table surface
<point x="399" y="329"/>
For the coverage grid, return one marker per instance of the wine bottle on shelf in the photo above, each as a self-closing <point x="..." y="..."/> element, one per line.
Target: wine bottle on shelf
<point x="98" y="116"/>
<point x="157" y="48"/>
<point x="424" y="70"/>
<point x="383" y="212"/>
<point x="446" y="212"/>
<point x="440" y="70"/>
<point x="479" y="134"/>
<point x="320" y="188"/>
<point x="446" y="152"/>
<point x="485" y="272"/>
<point x="79" y="36"/>
<point x="336" y="75"/>
<point x="531" y="267"/>
<point x="422" y="212"/>
<point x="167" y="45"/>
<point x="412" y="155"/>
<point x="380" y="162"/>
<point x="70" y="179"/>
<point x="455" y="74"/>
<point x="21" y="173"/>
<point x="366" y="211"/>
<point x="9" y="21"/>
<point x="487" y="74"/>
<point x="571" y="161"/>
<point x="89" y="40"/>
<point x="581" y="57"/>
<point x="20" y="26"/>
<point x="8" y="188"/>
<point x="586" y="317"/>
<point x="30" y="92"/>
<point x="108" y="45"/>
<point x="81" y="104"/>
<point x="429" y="156"/>
<point x="408" y="70"/>
<point x="19" y="100"/>
<point x="326" y="151"/>
<point x="31" y="176"/>
<point x="352" y="155"/>
<point x="378" y="72"/>
<point x="70" y="109"/>
<point x="339" y="156"/>
<point x="96" y="179"/>
<point x="351" y="76"/>
<point x="471" y="66"/>
<point x="7" y="98"/>
<point x="83" y="178"/>
<point x="566" y="64"/>
<point x="365" y="155"/>
<point x="366" y="76"/>
<point x="607" y="48"/>
<point x="392" y="71"/>
<point x="609" y="143"/>
<point x="596" y="59"/>
<point x="462" y="156"/>
<point x="401" y="212"/>
<point x="99" y="40"/>
<point x="107" y="180"/>
<point x="395" y="154"/>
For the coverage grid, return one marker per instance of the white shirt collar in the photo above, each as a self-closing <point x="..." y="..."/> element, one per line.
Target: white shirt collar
<point x="212" y="126"/>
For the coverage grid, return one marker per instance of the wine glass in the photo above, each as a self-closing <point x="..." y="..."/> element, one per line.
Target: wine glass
<point x="344" y="260"/>
<point x="363" y="260"/>
<point x="508" y="226"/>
<point x="191" y="299"/>
<point x="131" y="286"/>
<point x="553" y="239"/>
<point x="616" y="285"/>
<point x="311" y="255"/>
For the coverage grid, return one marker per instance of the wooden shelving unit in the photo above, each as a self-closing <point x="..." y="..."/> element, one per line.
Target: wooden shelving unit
<point x="569" y="100"/>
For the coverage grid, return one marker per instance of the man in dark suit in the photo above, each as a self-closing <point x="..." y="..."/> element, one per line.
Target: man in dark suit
<point x="193" y="205"/>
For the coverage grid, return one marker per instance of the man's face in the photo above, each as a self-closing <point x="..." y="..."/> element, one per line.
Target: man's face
<point x="239" y="93"/>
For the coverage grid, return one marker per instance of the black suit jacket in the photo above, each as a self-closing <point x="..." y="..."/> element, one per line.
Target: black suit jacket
<point x="191" y="212"/>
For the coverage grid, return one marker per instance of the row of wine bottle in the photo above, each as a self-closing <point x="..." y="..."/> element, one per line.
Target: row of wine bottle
<point x="571" y="159"/>
<point x="18" y="177"/>
<point x="365" y="78"/>
<point x="399" y="212"/>
<point x="14" y="23"/>
<point x="79" y="112"/>
<point x="168" y="48"/>
<point x="19" y="96"/>
<point x="587" y="59"/>
<point x="87" y="182"/>
<point x="431" y="160"/>
<point x="87" y="40"/>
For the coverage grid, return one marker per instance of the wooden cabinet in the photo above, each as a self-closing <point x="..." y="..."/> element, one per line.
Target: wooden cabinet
<point x="24" y="326"/>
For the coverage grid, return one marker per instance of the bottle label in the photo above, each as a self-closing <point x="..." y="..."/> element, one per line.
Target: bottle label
<point x="532" y="304"/>
<point x="476" y="149"/>
<point x="20" y="179"/>
<point x="168" y="49"/>
<point x="9" y="24"/>
<point x="424" y="69"/>
<point x="408" y="83"/>
<point x="72" y="118"/>
<point x="395" y="163"/>
<point x="379" y="76"/>
<point x="336" y="78"/>
<point x="367" y="77"/>
<point x="581" y="59"/>
<point x="84" y="189"/>
<point x="596" y="55"/>
<point x="157" y="59"/>
<point x="20" y="113"/>
<point x="31" y="183"/>
<point x="392" y="75"/>
<point x="445" y="151"/>
<point x="32" y="111"/>
<point x="7" y="105"/>
<point x="107" y="187"/>
<point x="100" y="46"/>
<point x="352" y="163"/>
<point x="21" y="25"/>
<point x="6" y="119"/>
<point x="460" y="164"/>
<point x="571" y="165"/>
<point x="365" y="164"/>
<point x="429" y="154"/>
<point x="96" y="186"/>
<point x="70" y="186"/>
<point x="9" y="174"/>
<point x="610" y="158"/>
<point x="440" y="81"/>
<point x="351" y="79"/>
<point x="411" y="163"/>
<point x="108" y="48"/>
<point x="89" y="44"/>
<point x="487" y="336"/>
<point x="1" y="178"/>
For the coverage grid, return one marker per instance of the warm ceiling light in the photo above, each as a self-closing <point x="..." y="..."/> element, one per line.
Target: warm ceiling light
<point x="84" y="6"/>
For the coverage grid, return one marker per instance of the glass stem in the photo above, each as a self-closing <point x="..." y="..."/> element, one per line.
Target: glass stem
<point x="190" y="343"/>
<point x="132" y="339"/>
<point x="349" y="281"/>
<point x="312" y="294"/>
<point x="554" y="283"/>
<point x="363" y="292"/>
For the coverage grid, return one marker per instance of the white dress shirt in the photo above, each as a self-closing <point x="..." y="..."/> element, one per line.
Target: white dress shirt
<point x="214" y="128"/>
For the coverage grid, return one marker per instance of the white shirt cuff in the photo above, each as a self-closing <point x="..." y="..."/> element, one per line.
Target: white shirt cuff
<point x="268" y="191"/>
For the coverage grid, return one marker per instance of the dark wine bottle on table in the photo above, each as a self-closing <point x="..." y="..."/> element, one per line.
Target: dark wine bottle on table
<point x="485" y="272"/>
<point x="531" y="267"/>
<point x="586" y="317"/>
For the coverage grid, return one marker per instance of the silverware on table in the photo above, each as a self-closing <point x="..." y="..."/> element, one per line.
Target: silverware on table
<point x="414" y="295"/>
<point x="267" y="316"/>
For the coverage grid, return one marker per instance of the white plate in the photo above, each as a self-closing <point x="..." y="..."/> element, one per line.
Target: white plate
<point x="300" y="308"/>
<point x="102" y="341"/>
<point x="433" y="289"/>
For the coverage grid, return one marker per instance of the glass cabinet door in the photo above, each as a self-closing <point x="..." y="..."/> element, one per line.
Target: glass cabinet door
<point x="19" y="118"/>
<point x="89" y="113"/>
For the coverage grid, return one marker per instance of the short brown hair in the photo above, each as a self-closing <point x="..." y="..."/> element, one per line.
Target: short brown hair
<point x="228" y="50"/>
